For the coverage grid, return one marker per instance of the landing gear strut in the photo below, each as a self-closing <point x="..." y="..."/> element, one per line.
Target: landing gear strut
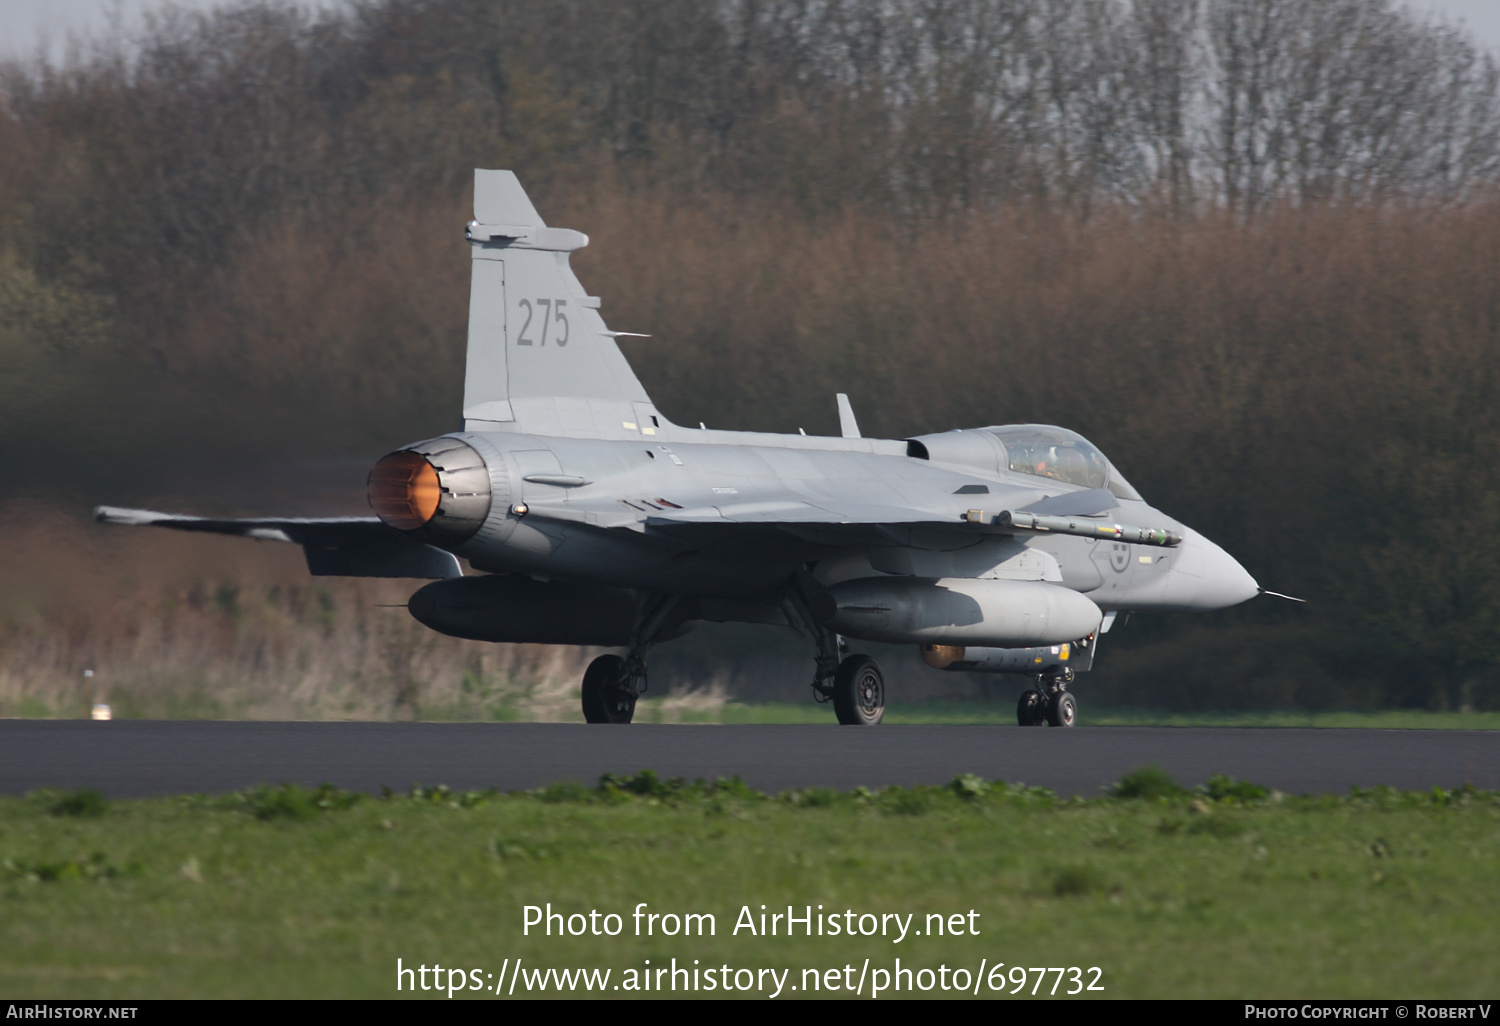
<point x="1049" y="702"/>
<point x="612" y="684"/>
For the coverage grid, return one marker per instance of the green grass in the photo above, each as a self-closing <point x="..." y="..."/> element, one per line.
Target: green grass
<point x="1224" y="891"/>
<point x="1004" y="713"/>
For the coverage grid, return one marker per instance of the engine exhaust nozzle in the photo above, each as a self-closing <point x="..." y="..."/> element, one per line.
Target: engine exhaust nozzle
<point x="439" y="489"/>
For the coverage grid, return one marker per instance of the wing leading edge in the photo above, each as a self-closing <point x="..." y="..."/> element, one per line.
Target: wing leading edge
<point x="1079" y="513"/>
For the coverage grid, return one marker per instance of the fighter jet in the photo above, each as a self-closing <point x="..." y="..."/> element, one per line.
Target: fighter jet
<point x="589" y="518"/>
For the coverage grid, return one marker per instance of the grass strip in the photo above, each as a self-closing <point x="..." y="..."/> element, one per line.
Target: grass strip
<point x="1227" y="890"/>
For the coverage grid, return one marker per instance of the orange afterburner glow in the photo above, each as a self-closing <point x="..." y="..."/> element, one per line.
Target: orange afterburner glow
<point x="404" y="490"/>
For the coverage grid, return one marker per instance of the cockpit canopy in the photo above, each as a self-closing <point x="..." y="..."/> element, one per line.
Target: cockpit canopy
<point x="1053" y="452"/>
<point x="1039" y="450"/>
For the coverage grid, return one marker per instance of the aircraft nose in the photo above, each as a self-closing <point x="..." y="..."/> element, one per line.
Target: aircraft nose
<point x="1207" y="577"/>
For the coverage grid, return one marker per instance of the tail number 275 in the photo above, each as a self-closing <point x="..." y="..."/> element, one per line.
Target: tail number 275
<point x="547" y="311"/>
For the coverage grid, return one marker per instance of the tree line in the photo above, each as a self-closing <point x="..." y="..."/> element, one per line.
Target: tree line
<point x="1250" y="247"/>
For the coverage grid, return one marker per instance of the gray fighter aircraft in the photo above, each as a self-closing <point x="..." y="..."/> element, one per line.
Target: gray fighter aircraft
<point x="594" y="520"/>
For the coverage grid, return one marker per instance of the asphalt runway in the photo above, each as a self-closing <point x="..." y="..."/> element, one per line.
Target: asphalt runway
<point x="138" y="758"/>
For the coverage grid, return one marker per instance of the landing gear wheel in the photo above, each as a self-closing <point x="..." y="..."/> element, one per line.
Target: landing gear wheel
<point x="606" y="699"/>
<point x="859" y="692"/>
<point x="1062" y="710"/>
<point x="1031" y="709"/>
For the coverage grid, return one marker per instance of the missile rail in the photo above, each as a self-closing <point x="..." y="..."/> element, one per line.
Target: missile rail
<point x="1083" y="527"/>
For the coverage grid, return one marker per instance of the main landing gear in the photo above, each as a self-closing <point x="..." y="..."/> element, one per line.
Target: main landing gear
<point x="612" y="684"/>
<point x="858" y="692"/>
<point x="853" y="683"/>
<point x="607" y="694"/>
<point x="1049" y="702"/>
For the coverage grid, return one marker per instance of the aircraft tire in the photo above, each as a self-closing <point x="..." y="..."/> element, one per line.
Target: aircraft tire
<point x="604" y="700"/>
<point x="1031" y="710"/>
<point x="859" y="692"/>
<point x="1062" y="710"/>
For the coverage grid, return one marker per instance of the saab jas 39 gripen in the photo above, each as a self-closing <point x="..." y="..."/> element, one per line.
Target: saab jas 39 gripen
<point x="592" y="519"/>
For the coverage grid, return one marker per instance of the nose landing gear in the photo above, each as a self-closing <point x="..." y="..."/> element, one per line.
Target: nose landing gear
<point x="1062" y="710"/>
<point x="1049" y="702"/>
<point x="1031" y="709"/>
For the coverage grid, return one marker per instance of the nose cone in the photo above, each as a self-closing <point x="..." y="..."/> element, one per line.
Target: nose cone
<point x="1206" y="577"/>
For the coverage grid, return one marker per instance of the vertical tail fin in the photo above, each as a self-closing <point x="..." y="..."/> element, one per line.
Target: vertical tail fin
<point x="540" y="357"/>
